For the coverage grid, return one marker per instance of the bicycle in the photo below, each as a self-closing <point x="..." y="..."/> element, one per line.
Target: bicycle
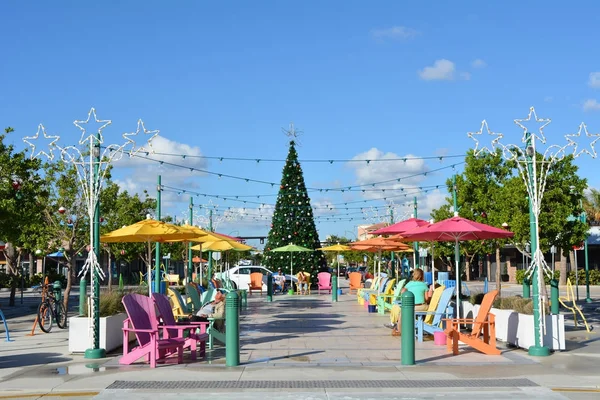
<point x="51" y="309"/>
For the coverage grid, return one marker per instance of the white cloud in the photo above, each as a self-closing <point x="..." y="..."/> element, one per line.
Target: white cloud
<point x="591" y="105"/>
<point x="478" y="63"/>
<point x="441" y="70"/>
<point x="395" y="32"/>
<point x="594" y="80"/>
<point x="465" y="76"/>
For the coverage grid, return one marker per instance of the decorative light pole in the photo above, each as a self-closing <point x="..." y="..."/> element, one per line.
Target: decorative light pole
<point x="534" y="173"/>
<point x="91" y="159"/>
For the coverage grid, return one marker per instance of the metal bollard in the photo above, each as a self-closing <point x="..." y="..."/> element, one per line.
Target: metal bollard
<point x="232" y="333"/>
<point x="408" y="328"/>
<point x="334" y="288"/>
<point x="121" y="285"/>
<point x="244" y="302"/>
<point x="554" y="297"/>
<point x="82" y="296"/>
<point x="485" y="285"/>
<point x="526" y="288"/>
<point x="269" y="288"/>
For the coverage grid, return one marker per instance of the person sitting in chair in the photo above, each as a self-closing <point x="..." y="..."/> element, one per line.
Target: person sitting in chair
<point x="302" y="282"/>
<point x="279" y="279"/>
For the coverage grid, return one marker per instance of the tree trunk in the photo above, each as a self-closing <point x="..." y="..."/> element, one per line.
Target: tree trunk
<point x="468" y="268"/>
<point x="498" y="273"/>
<point x="13" y="260"/>
<point x="31" y="265"/>
<point x="563" y="269"/>
<point x="488" y="273"/>
<point x="70" y="274"/>
<point x="573" y="263"/>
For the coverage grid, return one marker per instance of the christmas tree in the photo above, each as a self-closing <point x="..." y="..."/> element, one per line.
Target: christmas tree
<point x="293" y="221"/>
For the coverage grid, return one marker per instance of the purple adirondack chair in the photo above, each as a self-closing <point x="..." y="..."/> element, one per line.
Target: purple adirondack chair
<point x="173" y="329"/>
<point x="324" y="282"/>
<point x="142" y="320"/>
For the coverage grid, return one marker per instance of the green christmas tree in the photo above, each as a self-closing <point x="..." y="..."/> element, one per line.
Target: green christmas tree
<point x="293" y="221"/>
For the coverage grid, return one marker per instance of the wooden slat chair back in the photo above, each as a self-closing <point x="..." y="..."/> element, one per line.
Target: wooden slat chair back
<point x="384" y="300"/>
<point x="178" y="305"/>
<point x="355" y="281"/>
<point x="483" y="334"/>
<point x="194" y="297"/>
<point x="374" y="287"/>
<point x="142" y="320"/>
<point x="256" y="281"/>
<point x="324" y="282"/>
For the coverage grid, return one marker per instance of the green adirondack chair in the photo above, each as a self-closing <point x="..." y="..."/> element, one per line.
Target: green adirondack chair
<point x="385" y="301"/>
<point x="197" y="303"/>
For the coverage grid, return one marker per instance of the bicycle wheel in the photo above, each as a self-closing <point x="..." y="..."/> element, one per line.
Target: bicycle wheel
<point x="61" y="315"/>
<point x="45" y="317"/>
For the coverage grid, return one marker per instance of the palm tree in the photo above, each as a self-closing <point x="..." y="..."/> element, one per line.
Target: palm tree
<point x="591" y="205"/>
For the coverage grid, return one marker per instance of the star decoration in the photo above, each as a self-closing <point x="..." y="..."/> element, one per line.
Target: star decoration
<point x="140" y="128"/>
<point x="543" y="121"/>
<point x="583" y="127"/>
<point x="79" y="124"/>
<point x="51" y="146"/>
<point x="484" y="126"/>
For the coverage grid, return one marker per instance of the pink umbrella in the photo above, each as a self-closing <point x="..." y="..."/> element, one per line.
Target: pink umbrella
<point x="401" y="227"/>
<point x="456" y="229"/>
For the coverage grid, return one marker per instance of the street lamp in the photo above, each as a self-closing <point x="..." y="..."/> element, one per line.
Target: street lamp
<point x="534" y="174"/>
<point x="91" y="159"/>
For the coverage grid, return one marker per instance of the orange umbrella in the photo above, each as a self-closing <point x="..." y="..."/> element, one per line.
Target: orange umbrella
<point x="379" y="244"/>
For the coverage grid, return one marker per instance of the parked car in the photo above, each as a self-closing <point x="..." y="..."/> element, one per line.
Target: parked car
<point x="240" y="275"/>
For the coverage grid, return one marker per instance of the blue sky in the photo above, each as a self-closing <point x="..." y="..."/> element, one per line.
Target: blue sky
<point x="360" y="80"/>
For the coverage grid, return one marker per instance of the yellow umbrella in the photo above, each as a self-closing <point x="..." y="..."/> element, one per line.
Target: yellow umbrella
<point x="148" y="231"/>
<point x="222" y="245"/>
<point x="337" y="248"/>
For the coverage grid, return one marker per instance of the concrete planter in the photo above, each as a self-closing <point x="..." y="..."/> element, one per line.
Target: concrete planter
<point x="517" y="329"/>
<point x="111" y="333"/>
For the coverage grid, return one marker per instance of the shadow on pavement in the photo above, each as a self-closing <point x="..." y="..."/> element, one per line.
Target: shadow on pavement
<point x="25" y="360"/>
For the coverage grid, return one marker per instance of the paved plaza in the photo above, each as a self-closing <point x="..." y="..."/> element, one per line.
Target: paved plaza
<point x="303" y="347"/>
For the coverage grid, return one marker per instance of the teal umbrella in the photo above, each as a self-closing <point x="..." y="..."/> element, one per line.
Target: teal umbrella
<point x="291" y="248"/>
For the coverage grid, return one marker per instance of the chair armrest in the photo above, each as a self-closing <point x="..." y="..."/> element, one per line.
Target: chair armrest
<point x="140" y="330"/>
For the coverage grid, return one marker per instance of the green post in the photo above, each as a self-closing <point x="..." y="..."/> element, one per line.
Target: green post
<point x="121" y="285"/>
<point x="157" y="277"/>
<point x="526" y="288"/>
<point x="456" y="246"/>
<point x="210" y="259"/>
<point x="588" y="299"/>
<point x="82" y="296"/>
<point x="232" y="334"/>
<point x="190" y="266"/>
<point x="415" y="244"/>
<point x="96" y="351"/>
<point x="538" y="349"/>
<point x="269" y="288"/>
<point x="408" y="328"/>
<point x="554" y="297"/>
<point x="334" y="288"/>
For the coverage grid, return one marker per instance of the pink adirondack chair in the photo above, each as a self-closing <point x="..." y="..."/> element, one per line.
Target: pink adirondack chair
<point x="142" y="320"/>
<point x="172" y="329"/>
<point x="324" y="282"/>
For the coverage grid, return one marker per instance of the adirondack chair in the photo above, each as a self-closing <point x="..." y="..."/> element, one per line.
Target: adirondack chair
<point x="483" y="334"/>
<point x="178" y="305"/>
<point x="370" y="296"/>
<point x="430" y="321"/>
<point x="324" y="282"/>
<point x="355" y="281"/>
<point x="360" y="295"/>
<point x="385" y="301"/>
<point x="307" y="281"/>
<point x="173" y="330"/>
<point x="433" y="303"/>
<point x="256" y="282"/>
<point x="142" y="320"/>
<point x="197" y="303"/>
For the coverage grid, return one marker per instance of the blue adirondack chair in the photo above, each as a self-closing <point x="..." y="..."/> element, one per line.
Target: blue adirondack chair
<point x="430" y="321"/>
<point x="368" y="292"/>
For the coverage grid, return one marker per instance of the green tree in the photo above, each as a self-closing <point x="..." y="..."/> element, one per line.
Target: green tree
<point x="293" y="221"/>
<point x="21" y="193"/>
<point x="591" y="204"/>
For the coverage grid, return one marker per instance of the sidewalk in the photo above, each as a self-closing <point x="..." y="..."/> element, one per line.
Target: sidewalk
<point x="298" y="347"/>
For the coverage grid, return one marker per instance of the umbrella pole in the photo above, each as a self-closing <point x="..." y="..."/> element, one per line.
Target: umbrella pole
<point x="432" y="265"/>
<point x="457" y="279"/>
<point x="291" y="271"/>
<point x="337" y="256"/>
<point x="149" y="270"/>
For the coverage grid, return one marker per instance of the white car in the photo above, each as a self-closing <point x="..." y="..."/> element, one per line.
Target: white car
<point x="240" y="275"/>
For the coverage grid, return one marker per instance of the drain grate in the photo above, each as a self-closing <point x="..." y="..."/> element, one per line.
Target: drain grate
<point x="324" y="384"/>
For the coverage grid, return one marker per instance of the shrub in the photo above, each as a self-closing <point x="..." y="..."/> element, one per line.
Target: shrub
<point x="110" y="302"/>
<point x="520" y="275"/>
<point x="594" y="276"/>
<point x="476" y="298"/>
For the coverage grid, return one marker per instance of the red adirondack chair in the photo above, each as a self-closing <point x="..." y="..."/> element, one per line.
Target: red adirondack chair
<point x="142" y="320"/>
<point x="175" y="330"/>
<point x="483" y="335"/>
<point x="324" y="282"/>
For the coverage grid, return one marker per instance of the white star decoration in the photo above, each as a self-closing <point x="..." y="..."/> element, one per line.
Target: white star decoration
<point x="79" y="124"/>
<point x="543" y="121"/>
<point x="51" y="146"/>
<point x="484" y="126"/>
<point x="583" y="127"/>
<point x="140" y="128"/>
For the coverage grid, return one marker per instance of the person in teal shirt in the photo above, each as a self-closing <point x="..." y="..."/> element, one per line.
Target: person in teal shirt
<point x="422" y="294"/>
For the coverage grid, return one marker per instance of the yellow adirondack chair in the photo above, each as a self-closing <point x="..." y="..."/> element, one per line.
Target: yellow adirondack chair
<point x="374" y="287"/>
<point x="433" y="303"/>
<point x="389" y="288"/>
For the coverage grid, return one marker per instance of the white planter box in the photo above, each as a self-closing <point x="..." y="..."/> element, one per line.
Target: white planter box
<point x="111" y="333"/>
<point x="517" y="329"/>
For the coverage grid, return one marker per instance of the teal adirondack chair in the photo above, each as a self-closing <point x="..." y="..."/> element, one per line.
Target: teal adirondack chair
<point x="430" y="321"/>
<point x="197" y="304"/>
<point x="385" y="301"/>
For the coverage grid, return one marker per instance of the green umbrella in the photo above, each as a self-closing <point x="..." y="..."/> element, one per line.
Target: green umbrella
<point x="292" y="248"/>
